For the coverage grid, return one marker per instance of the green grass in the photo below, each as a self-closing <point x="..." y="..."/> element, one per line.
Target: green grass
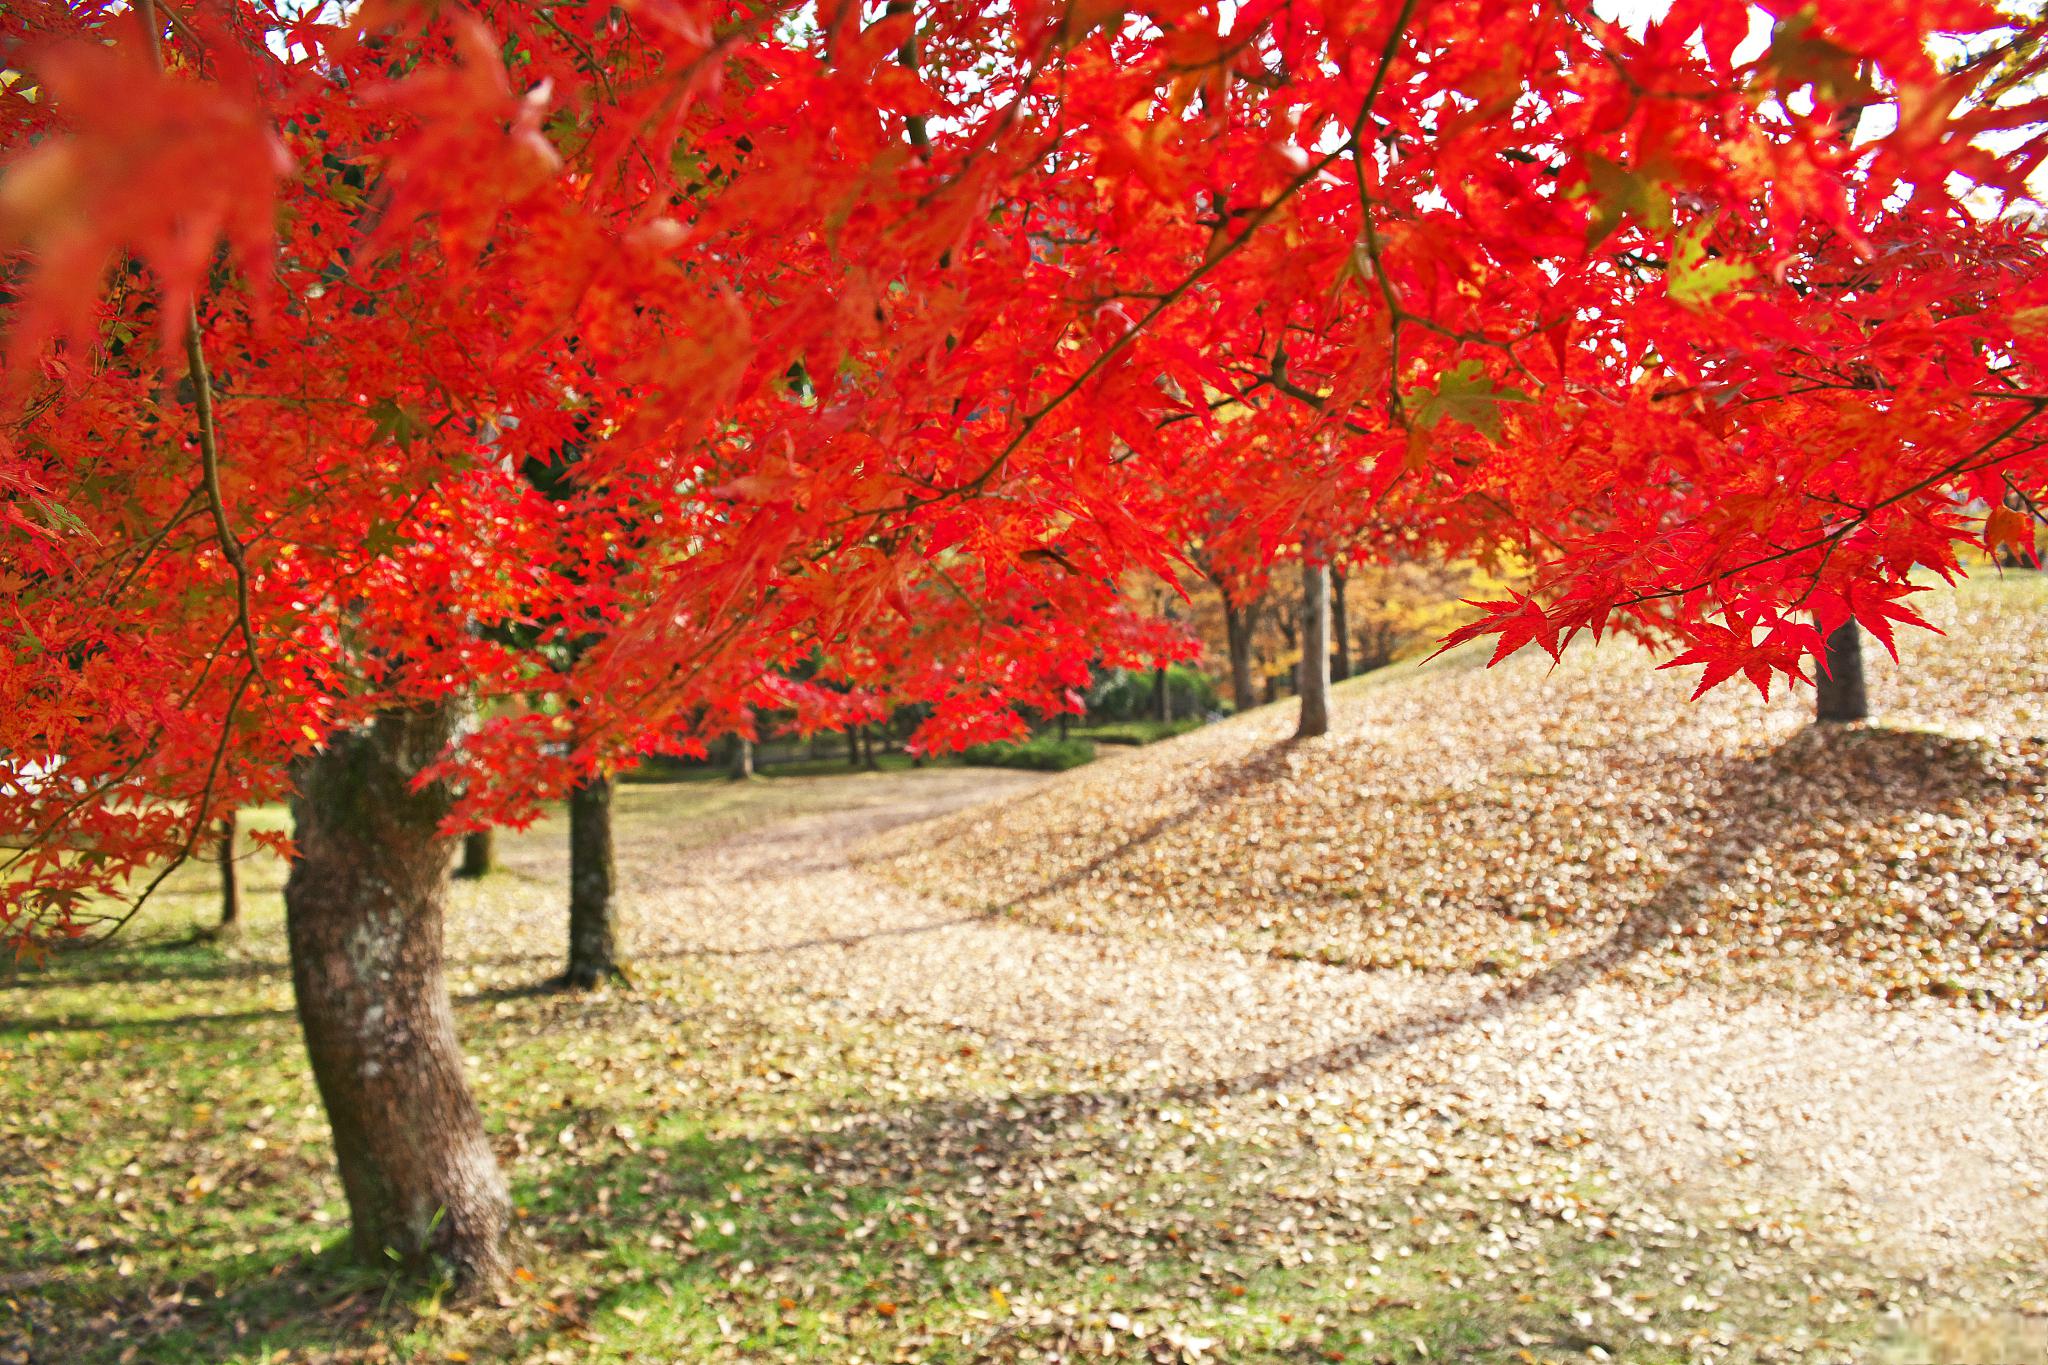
<point x="709" y="1170"/>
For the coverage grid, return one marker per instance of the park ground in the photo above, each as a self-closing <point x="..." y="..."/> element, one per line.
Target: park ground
<point x="1531" y="1015"/>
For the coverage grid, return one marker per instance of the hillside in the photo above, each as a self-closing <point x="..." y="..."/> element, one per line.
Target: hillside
<point x="1524" y="819"/>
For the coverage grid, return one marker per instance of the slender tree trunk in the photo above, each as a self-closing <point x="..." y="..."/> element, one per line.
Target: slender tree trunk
<point x="363" y="919"/>
<point x="593" y="922"/>
<point x="1239" y="623"/>
<point x="230" y="878"/>
<point x="1162" y="695"/>
<point x="742" y="758"/>
<point x="1065" y="717"/>
<point x="479" y="850"/>
<point x="1315" y="650"/>
<point x="1340" y="626"/>
<point x="1838" y="689"/>
<point x="852" y="747"/>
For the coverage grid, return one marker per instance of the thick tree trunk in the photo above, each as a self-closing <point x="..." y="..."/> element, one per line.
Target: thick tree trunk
<point x="742" y="758"/>
<point x="1162" y="695"/>
<point x="867" y="747"/>
<point x="363" y="919"/>
<point x="1340" y="626"/>
<point x="1065" y="718"/>
<point x="593" y="918"/>
<point x="1838" y="688"/>
<point x="1315" y="651"/>
<point x="1239" y="623"/>
<point x="479" y="849"/>
<point x="852" y="748"/>
<point x="230" y="878"/>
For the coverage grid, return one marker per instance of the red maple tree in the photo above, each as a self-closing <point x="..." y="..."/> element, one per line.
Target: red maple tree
<point x="886" y="344"/>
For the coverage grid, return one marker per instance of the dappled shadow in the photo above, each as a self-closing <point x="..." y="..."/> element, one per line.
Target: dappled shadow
<point x="187" y="959"/>
<point x="899" y="1219"/>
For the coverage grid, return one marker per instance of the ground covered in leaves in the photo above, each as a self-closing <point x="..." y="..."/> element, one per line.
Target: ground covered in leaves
<point x="1503" y="821"/>
<point x="917" y="1067"/>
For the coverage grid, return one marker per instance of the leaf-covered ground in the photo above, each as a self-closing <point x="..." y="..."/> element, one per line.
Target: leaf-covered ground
<point x="1505" y="821"/>
<point x="844" y="1117"/>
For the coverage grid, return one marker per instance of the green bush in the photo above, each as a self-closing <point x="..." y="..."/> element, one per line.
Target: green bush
<point x="1141" y="731"/>
<point x="1045" y="754"/>
<point x="1123" y="694"/>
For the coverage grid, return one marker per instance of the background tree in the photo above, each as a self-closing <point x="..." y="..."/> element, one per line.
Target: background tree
<point x="478" y="849"/>
<point x="230" y="876"/>
<point x="1315" y="646"/>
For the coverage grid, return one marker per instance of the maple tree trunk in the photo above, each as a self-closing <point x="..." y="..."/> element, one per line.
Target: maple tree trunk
<point x="867" y="747"/>
<point x="1838" y="689"/>
<point x="1340" y="627"/>
<point x="1315" y="651"/>
<point x="1238" y="625"/>
<point x="230" y="878"/>
<point x="478" y="850"/>
<point x="363" y="920"/>
<point x="1064" y="718"/>
<point x="1162" y="695"/>
<point x="742" y="758"/>
<point x="852" y="749"/>
<point x="593" y="923"/>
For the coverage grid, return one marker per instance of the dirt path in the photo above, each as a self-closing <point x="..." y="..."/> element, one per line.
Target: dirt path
<point x="1918" y="1133"/>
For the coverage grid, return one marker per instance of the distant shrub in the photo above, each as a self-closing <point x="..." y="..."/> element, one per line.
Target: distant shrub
<point x="1142" y="731"/>
<point x="1045" y="754"/>
<point x="1126" y="694"/>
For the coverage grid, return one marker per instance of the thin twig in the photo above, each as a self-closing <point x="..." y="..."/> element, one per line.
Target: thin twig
<point x="202" y="403"/>
<point x="209" y="458"/>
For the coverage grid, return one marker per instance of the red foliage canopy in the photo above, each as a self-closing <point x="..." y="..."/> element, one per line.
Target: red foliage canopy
<point x="693" y="356"/>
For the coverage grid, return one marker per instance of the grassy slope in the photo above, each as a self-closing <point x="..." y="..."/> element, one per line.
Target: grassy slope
<point x="1460" y="819"/>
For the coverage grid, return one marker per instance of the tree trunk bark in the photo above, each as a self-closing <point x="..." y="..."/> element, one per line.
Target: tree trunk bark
<point x="593" y="925"/>
<point x="1838" y="688"/>
<point x="363" y="919"/>
<point x="1315" y="651"/>
<point x="230" y="878"/>
<point x="852" y="747"/>
<point x="1239" y="623"/>
<point x="742" y="758"/>
<point x="867" y="747"/>
<point x="479" y="848"/>
<point x="1162" y="695"/>
<point x="1340" y="626"/>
